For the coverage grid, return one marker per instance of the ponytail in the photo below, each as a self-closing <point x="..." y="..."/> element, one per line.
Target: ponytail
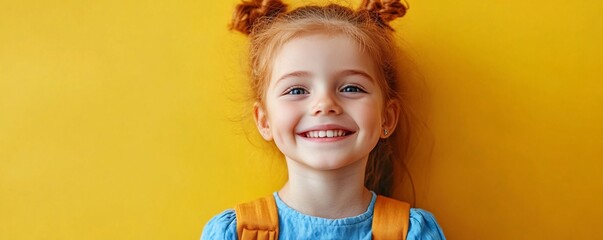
<point x="384" y="11"/>
<point x="248" y="13"/>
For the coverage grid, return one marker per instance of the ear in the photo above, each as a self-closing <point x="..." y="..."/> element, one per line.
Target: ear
<point x="391" y="113"/>
<point x="261" y="121"/>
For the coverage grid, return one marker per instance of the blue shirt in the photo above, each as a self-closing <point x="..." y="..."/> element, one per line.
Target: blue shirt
<point x="296" y="225"/>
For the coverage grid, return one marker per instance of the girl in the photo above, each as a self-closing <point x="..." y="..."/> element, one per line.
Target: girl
<point x="327" y="94"/>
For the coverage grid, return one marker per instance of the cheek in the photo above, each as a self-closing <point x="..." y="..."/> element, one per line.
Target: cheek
<point x="283" y="116"/>
<point x="369" y="115"/>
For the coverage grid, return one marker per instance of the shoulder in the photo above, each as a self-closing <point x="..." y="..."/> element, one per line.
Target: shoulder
<point x="423" y="225"/>
<point x="221" y="226"/>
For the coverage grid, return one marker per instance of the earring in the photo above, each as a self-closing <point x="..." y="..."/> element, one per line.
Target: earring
<point x="385" y="131"/>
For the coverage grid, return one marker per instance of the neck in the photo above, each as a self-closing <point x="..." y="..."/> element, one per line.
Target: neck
<point x="326" y="193"/>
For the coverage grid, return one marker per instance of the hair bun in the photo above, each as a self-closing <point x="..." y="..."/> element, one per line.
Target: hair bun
<point x="387" y="10"/>
<point x="247" y="13"/>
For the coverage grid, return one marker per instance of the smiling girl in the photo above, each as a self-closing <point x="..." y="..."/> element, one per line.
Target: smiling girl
<point x="327" y="94"/>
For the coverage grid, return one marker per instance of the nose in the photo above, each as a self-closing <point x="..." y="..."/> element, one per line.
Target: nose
<point x="326" y="104"/>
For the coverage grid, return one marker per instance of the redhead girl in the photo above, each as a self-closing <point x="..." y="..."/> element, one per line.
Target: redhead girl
<point x="327" y="94"/>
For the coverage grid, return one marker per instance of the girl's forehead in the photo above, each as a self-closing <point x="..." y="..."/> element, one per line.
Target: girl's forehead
<point x="322" y="39"/>
<point x="321" y="53"/>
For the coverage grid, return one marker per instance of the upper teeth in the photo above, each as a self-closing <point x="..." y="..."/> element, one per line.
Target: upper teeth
<point x="325" y="133"/>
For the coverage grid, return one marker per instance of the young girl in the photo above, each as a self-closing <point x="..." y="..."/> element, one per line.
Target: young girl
<point x="328" y="95"/>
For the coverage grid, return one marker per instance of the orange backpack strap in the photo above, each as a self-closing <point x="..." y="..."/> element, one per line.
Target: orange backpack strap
<point x="257" y="219"/>
<point x="390" y="218"/>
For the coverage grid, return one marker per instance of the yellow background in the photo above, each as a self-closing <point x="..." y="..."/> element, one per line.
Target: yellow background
<point x="122" y="119"/>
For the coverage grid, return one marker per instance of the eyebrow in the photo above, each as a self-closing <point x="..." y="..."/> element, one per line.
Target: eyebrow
<point x="343" y="73"/>
<point x="295" y="74"/>
<point x="348" y="72"/>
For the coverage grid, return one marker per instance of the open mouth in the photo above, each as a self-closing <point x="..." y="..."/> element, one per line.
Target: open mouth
<point x="327" y="133"/>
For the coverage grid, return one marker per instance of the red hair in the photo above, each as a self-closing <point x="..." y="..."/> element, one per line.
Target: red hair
<point x="269" y="26"/>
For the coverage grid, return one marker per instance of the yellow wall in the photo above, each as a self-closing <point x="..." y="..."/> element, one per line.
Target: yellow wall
<point x="118" y="119"/>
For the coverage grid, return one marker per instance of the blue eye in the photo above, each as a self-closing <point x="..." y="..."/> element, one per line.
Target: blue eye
<point x="352" y="89"/>
<point x="296" y="91"/>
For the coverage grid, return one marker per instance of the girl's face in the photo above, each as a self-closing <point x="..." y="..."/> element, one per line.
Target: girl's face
<point x="323" y="106"/>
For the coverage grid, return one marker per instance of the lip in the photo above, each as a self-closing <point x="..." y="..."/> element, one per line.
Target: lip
<point x="325" y="127"/>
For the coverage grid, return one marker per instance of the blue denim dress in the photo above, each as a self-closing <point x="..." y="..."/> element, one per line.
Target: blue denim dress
<point x="296" y="225"/>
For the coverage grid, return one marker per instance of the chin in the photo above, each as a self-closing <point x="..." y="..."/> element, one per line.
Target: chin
<point x="327" y="164"/>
